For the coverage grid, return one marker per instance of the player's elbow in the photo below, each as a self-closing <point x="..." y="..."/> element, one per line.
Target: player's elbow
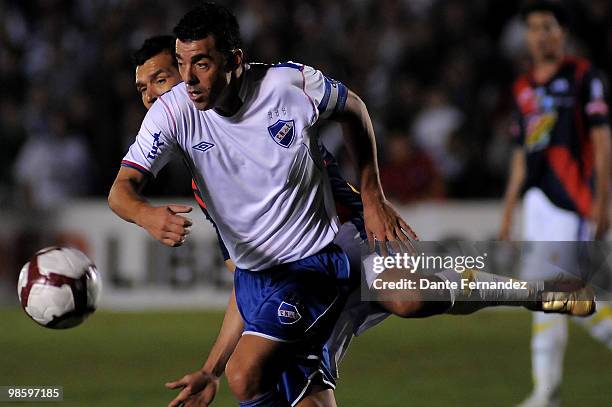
<point x="112" y="199"/>
<point x="355" y="107"/>
<point x="126" y="191"/>
<point x="120" y="188"/>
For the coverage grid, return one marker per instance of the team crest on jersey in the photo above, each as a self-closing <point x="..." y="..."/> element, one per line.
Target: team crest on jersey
<point x="288" y="313"/>
<point x="282" y="132"/>
<point x="203" y="146"/>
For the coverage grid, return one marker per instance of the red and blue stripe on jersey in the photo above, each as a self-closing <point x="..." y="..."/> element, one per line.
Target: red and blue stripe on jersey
<point x="137" y="167"/>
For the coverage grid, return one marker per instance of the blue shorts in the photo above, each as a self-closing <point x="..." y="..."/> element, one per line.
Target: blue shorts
<point x="297" y="301"/>
<point x="322" y="369"/>
<point x="323" y="326"/>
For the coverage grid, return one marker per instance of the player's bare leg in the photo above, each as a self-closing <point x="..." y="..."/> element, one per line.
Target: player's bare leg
<point x="538" y="296"/>
<point x="412" y="303"/>
<point x="319" y="397"/>
<point x="253" y="371"/>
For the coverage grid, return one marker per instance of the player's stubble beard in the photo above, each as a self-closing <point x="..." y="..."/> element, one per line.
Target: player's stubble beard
<point x="228" y="102"/>
<point x="548" y="57"/>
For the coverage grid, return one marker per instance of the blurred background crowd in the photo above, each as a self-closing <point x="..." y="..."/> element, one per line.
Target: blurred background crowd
<point x="436" y="76"/>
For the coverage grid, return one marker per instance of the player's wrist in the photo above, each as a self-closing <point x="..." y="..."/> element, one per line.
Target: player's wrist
<point x="213" y="368"/>
<point x="141" y="214"/>
<point x="372" y="195"/>
<point x="370" y="182"/>
<point x="213" y="373"/>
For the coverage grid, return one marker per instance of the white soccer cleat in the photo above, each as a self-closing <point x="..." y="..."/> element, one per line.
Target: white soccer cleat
<point x="537" y="400"/>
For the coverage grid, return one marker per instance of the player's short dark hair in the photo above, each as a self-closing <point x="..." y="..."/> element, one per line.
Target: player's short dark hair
<point x="547" y="6"/>
<point x="153" y="46"/>
<point x="210" y="19"/>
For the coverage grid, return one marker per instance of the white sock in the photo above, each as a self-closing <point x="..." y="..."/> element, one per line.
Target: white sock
<point x="466" y="301"/>
<point x="599" y="325"/>
<point x="548" y="340"/>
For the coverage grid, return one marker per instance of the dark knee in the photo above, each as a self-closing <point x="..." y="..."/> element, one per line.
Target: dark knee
<point x="319" y="397"/>
<point x="416" y="308"/>
<point x="404" y="309"/>
<point x="244" y="382"/>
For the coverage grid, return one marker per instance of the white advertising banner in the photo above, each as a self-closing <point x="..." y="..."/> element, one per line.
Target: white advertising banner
<point x="140" y="273"/>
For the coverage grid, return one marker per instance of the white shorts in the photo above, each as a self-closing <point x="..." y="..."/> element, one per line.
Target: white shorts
<point x="357" y="316"/>
<point x="552" y="230"/>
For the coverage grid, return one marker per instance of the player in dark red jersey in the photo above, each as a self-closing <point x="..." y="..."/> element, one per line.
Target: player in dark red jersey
<point x="562" y="161"/>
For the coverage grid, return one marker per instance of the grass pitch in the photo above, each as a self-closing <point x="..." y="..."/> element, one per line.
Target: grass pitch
<point x="123" y="359"/>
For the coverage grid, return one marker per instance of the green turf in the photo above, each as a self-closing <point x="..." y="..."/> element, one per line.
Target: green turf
<point x="123" y="359"/>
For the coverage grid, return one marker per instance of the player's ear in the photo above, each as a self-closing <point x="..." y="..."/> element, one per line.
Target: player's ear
<point x="236" y="59"/>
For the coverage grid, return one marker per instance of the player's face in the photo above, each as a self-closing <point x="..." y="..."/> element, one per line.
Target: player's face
<point x="155" y="77"/>
<point x="545" y="37"/>
<point x="204" y="70"/>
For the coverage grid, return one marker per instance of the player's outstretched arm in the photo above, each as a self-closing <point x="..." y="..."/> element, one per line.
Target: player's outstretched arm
<point x="601" y="147"/>
<point x="513" y="190"/>
<point x="163" y="223"/>
<point x="200" y="387"/>
<point x="381" y="220"/>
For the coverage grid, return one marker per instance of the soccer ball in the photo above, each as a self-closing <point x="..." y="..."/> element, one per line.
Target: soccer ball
<point x="59" y="287"/>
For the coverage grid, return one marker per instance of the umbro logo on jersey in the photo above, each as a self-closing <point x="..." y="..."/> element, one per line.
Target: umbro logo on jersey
<point x="203" y="146"/>
<point x="282" y="132"/>
<point x="288" y="313"/>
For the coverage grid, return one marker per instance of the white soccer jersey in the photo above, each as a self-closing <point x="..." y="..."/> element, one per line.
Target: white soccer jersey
<point x="259" y="170"/>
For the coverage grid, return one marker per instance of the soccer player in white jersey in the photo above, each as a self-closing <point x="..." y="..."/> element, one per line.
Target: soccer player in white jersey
<point x="562" y="160"/>
<point x="155" y="74"/>
<point x="245" y="132"/>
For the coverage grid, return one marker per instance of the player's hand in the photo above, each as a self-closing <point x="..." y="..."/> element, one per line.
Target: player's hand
<point x="198" y="389"/>
<point x="601" y="218"/>
<point x="383" y="223"/>
<point x="165" y="224"/>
